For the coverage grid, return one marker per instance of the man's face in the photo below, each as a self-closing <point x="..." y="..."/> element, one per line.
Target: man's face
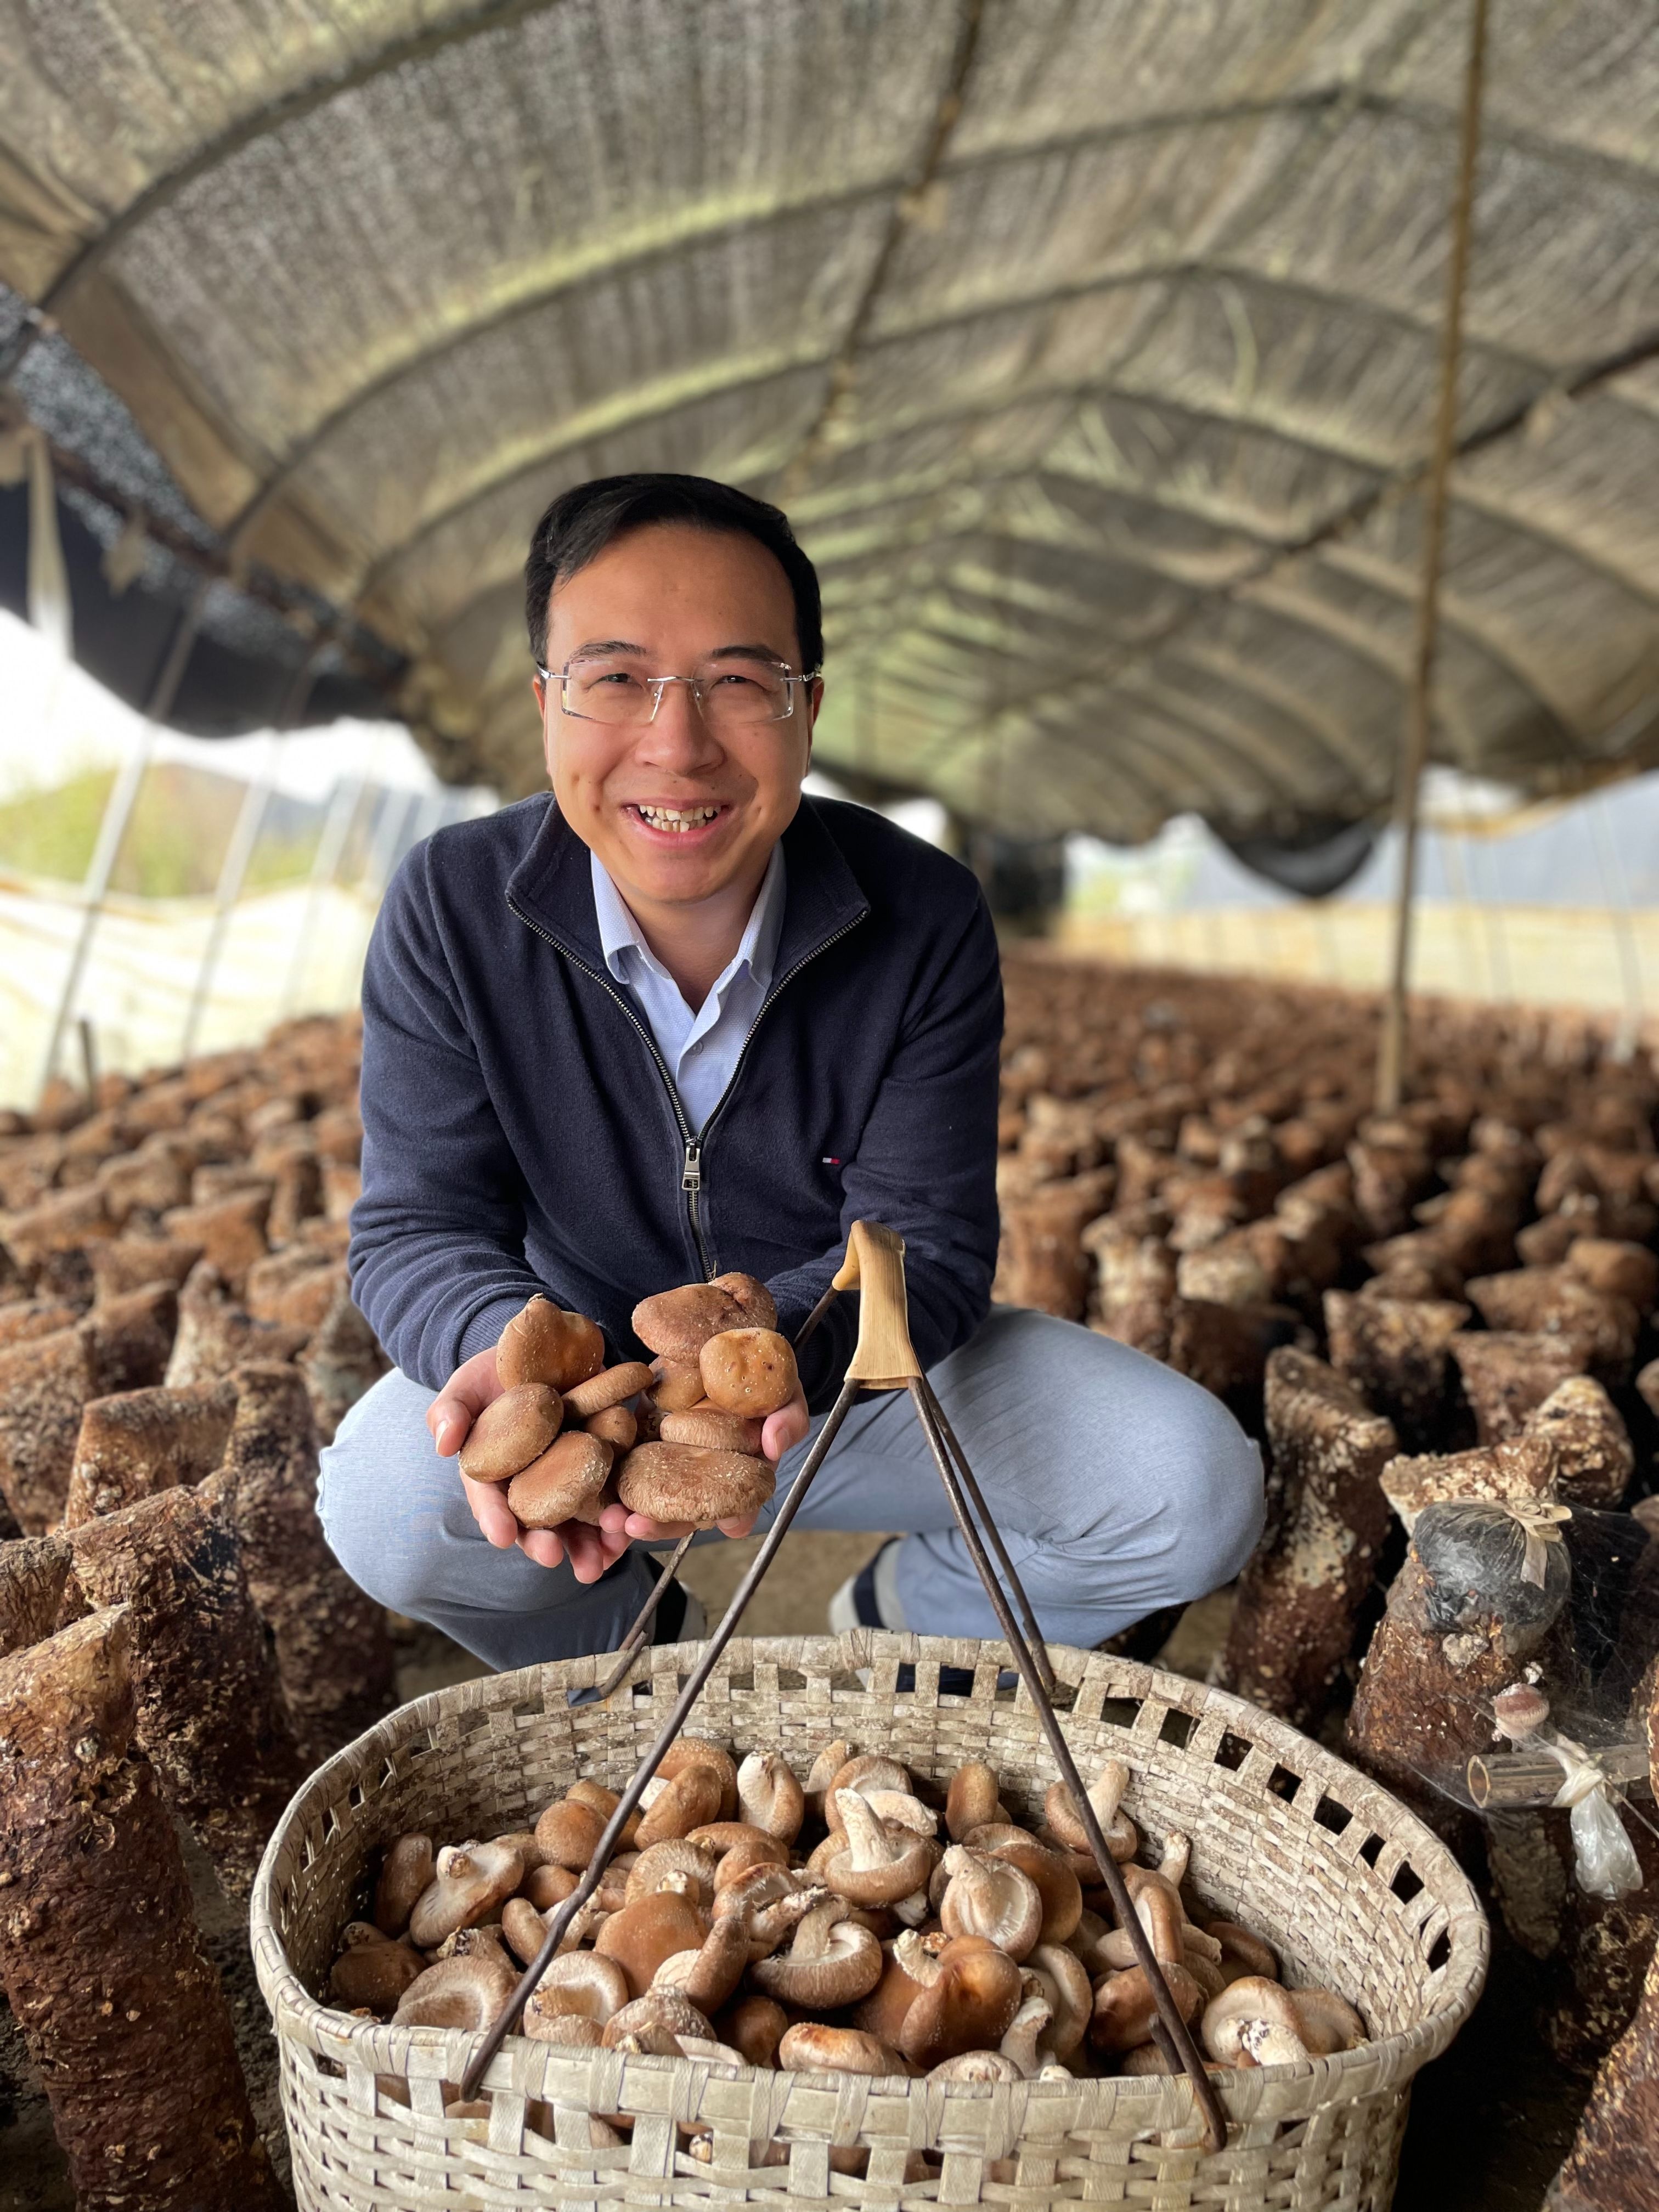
<point x="669" y="600"/>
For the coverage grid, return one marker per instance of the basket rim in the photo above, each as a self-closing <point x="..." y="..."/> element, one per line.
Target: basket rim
<point x="1379" y="2061"/>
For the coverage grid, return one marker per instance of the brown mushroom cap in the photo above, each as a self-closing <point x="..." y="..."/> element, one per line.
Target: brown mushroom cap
<point x="372" y="1970"/>
<point x="1070" y="1999"/>
<point x="1124" y="2008"/>
<point x="749" y="1370"/>
<point x="687" y="1800"/>
<point x="512" y="1430"/>
<point x="675" y="1862"/>
<point x="544" y="1344"/>
<point x="467" y="1993"/>
<point x="1253" y="2019"/>
<point x="771" y="1796"/>
<point x="679" y="1483"/>
<point x="868" y="1770"/>
<point x="907" y="1970"/>
<point x="467" y="1887"/>
<point x="653" y="2023"/>
<point x="736" y="1847"/>
<point x="546" y="1886"/>
<point x="571" y="2030"/>
<point x="612" y="1386"/>
<point x="700" y="1751"/>
<point x="752" y="1294"/>
<point x="1105" y="1796"/>
<point x="1056" y="1883"/>
<point x="821" y="1776"/>
<point x="991" y="1897"/>
<point x="567" y="1833"/>
<point x="812" y="2047"/>
<point x="406" y="1872"/>
<point x="977" y="2066"/>
<point x="584" y="1982"/>
<point x="614" y="1426"/>
<point x="972" y="1799"/>
<point x="874" y="1865"/>
<point x="1329" y="2023"/>
<point x="1243" y="1952"/>
<point x="969" y="2005"/>
<point x="676" y="1324"/>
<point x="710" y="1430"/>
<point x="831" y="1962"/>
<point x="647" y="1931"/>
<point x="709" y="1975"/>
<point x="676" y="1385"/>
<point x="568" y="1474"/>
<point x="753" y="2026"/>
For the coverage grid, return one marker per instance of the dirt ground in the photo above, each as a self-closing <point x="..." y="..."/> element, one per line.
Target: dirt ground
<point x="1491" y="2122"/>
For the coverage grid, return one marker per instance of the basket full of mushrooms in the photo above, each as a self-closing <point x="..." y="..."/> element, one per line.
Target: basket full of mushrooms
<point x="852" y="1947"/>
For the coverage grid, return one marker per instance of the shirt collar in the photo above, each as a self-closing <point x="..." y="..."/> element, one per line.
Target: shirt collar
<point x="620" y="935"/>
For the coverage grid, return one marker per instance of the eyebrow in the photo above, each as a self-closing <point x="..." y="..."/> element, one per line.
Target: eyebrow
<point x="748" y="652"/>
<point x="597" y="645"/>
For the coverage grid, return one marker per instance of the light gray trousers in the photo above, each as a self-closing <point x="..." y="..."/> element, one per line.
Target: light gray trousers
<point x="1119" y="1487"/>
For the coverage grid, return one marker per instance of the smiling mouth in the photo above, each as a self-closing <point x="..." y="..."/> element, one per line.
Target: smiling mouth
<point x="676" y="820"/>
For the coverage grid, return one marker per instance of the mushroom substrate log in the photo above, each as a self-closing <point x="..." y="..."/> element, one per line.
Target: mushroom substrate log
<point x="1300" y="1596"/>
<point x="333" y="1653"/>
<point x="122" y="2013"/>
<point x="211" y="1717"/>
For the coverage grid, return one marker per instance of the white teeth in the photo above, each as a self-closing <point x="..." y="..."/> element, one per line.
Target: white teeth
<point x="678" y="819"/>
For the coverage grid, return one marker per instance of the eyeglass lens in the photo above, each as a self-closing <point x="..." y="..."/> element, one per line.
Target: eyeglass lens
<point x="614" y="691"/>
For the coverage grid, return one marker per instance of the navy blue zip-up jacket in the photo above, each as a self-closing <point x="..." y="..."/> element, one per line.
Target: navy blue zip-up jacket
<point x="522" y="1132"/>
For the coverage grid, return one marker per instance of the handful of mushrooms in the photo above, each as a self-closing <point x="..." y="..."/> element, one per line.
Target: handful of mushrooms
<point x="828" y="1926"/>
<point x="678" y="1440"/>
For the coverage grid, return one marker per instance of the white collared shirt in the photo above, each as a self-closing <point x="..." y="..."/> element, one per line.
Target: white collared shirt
<point x="701" y="1048"/>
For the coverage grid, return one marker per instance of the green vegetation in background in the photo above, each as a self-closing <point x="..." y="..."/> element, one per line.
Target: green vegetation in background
<point x="175" y="840"/>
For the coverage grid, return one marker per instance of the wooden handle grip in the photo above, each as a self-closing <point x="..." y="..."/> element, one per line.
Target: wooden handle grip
<point x="884" y="1359"/>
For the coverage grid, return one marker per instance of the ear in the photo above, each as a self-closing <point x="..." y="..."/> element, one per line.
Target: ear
<point x="538" y="690"/>
<point x="815" y="702"/>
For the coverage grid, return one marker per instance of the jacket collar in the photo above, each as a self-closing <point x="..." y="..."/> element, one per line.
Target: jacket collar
<point x="552" y="888"/>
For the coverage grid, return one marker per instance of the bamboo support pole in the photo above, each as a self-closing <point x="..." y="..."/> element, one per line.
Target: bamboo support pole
<point x="1414" y="747"/>
<point x="243" y="839"/>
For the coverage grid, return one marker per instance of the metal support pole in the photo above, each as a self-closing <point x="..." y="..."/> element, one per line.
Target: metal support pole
<point x="243" y="839"/>
<point x="558" y="1926"/>
<point x="1034" y="1635"/>
<point x="118" y="813"/>
<point x="324" y="868"/>
<point x="1185" y="2050"/>
<point x="1414" y="747"/>
<point x="631" y="1645"/>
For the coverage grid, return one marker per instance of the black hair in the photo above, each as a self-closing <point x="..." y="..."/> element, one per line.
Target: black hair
<point x="582" y="522"/>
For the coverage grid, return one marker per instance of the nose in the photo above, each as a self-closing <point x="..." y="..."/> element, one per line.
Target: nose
<point x="679" y="738"/>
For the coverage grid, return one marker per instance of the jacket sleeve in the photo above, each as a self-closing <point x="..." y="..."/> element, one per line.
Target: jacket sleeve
<point x="437" y="1237"/>
<point x="926" y="1166"/>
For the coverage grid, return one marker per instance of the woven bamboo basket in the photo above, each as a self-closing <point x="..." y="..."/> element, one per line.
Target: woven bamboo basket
<point x="1352" y="1891"/>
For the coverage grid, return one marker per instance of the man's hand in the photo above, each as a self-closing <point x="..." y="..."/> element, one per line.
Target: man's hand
<point x="474" y="1385"/>
<point x="782" y="1432"/>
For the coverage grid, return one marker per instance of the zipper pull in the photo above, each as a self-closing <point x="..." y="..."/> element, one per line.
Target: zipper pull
<point x="692" y="1179"/>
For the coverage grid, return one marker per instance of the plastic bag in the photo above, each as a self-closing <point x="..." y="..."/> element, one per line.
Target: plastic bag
<point x="1606" y="1863"/>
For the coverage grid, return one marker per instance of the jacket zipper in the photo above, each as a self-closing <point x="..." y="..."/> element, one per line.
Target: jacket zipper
<point x="691" y="1174"/>
<point x="691" y="1170"/>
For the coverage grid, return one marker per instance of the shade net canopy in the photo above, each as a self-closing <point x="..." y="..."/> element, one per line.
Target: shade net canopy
<point x="1090" y="344"/>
